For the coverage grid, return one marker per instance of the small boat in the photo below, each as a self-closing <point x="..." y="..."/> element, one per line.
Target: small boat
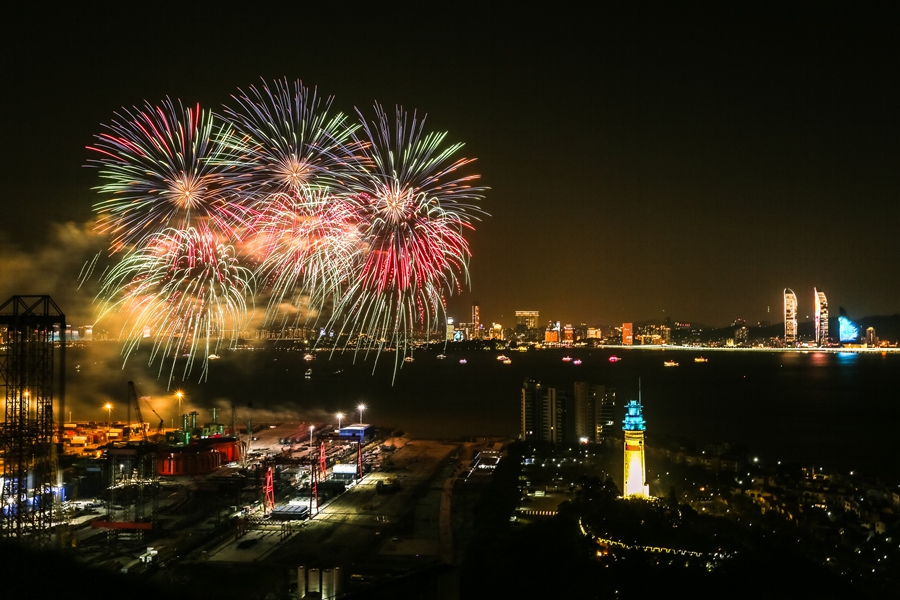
<point x="577" y="361"/>
<point x="567" y="359"/>
<point x="614" y="359"/>
<point x="506" y="361"/>
<point x="501" y="358"/>
<point x="308" y="357"/>
<point x="670" y="363"/>
<point x="308" y="374"/>
<point x="408" y="359"/>
<point x="701" y="359"/>
<point x="441" y="356"/>
<point x="213" y="357"/>
<point x="462" y="361"/>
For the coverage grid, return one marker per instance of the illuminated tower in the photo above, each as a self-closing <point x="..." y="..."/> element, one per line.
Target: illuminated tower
<point x="821" y="318"/>
<point x="476" y="320"/>
<point x="790" y="317"/>
<point x="635" y="485"/>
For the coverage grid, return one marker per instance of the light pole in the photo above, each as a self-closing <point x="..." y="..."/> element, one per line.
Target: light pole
<point x="361" y="408"/>
<point x="180" y="395"/>
<point x="108" y="408"/>
<point x="340" y="417"/>
<point x="311" y="427"/>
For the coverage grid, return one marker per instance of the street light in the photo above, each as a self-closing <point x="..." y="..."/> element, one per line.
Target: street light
<point x="361" y="408"/>
<point x="340" y="417"/>
<point x="108" y="408"/>
<point x="180" y="395"/>
<point x="311" y="427"/>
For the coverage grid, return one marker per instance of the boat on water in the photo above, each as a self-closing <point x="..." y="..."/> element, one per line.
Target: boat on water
<point x="441" y="356"/>
<point x="670" y="363"/>
<point x="614" y="358"/>
<point x="408" y="359"/>
<point x="567" y="359"/>
<point x="577" y="361"/>
<point x="462" y="361"/>
<point x="700" y="359"/>
<point x="308" y="357"/>
<point x="502" y="358"/>
<point x="308" y="374"/>
<point x="506" y="361"/>
<point x="211" y="357"/>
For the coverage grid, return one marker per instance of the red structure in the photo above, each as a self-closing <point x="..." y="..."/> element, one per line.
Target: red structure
<point x="202" y="456"/>
<point x="268" y="492"/>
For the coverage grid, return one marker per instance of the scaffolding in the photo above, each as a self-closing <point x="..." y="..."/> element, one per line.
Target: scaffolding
<point x="29" y="326"/>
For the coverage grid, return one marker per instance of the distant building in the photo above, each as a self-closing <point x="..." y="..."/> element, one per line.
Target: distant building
<point x="635" y="482"/>
<point x="568" y="334"/>
<point x="594" y="332"/>
<point x="526" y="319"/>
<point x="551" y="334"/>
<point x="476" y="320"/>
<point x="790" y="317"/>
<point x="741" y="336"/>
<point x="821" y="318"/>
<point x="627" y="334"/>
<point x="871" y="339"/>
<point x="848" y="332"/>
<point x="450" y="328"/>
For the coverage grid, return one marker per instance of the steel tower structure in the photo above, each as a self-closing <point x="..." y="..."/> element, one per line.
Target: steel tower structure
<point x="27" y="373"/>
<point x="790" y="317"/>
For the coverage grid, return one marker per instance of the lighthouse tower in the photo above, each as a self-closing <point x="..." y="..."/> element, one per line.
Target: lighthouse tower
<point x="635" y="470"/>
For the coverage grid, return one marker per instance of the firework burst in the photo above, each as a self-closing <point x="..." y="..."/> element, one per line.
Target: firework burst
<point x="284" y="141"/>
<point x="183" y="290"/>
<point x="161" y="166"/>
<point x="414" y="210"/>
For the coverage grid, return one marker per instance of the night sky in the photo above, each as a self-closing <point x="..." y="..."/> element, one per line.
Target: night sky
<point x="683" y="162"/>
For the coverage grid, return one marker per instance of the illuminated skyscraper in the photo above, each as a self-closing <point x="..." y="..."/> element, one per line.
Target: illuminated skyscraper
<point x="594" y="413"/>
<point x="635" y="484"/>
<point x="821" y="318"/>
<point x="526" y="319"/>
<point x="476" y="321"/>
<point x="627" y="334"/>
<point x="790" y="317"/>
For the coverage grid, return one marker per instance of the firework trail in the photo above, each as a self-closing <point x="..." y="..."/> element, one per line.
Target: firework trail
<point x="184" y="290"/>
<point x="413" y="210"/>
<point x="161" y="166"/>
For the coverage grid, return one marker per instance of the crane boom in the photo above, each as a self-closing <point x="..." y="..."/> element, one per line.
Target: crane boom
<point x="135" y="403"/>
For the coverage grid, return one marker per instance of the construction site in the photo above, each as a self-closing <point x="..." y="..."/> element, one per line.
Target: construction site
<point x="301" y="509"/>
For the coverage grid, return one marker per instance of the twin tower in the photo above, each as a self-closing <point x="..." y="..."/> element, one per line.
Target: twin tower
<point x="790" y="317"/>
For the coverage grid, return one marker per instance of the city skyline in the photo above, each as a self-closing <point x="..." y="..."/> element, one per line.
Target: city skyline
<point x="634" y="172"/>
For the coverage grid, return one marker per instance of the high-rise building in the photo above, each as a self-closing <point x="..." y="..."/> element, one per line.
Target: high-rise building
<point x="554" y="416"/>
<point x="871" y="339"/>
<point x="551" y="334"/>
<point x="593" y="412"/>
<point x="635" y="482"/>
<point x="544" y="414"/>
<point x="790" y="317"/>
<point x="821" y="318"/>
<point x="450" y="328"/>
<point x="476" y="320"/>
<point x="627" y="334"/>
<point x="532" y="421"/>
<point x="568" y="334"/>
<point x="526" y="319"/>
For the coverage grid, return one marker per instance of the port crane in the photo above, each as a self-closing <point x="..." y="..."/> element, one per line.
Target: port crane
<point x="136" y="405"/>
